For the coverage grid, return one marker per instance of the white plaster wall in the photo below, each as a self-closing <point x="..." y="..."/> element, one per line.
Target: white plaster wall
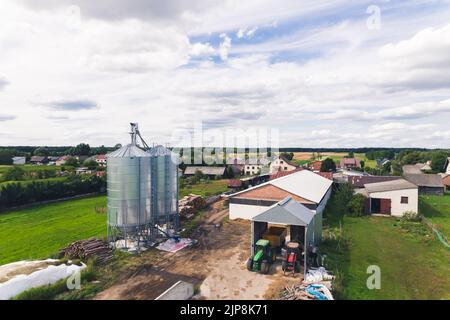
<point x="398" y="208"/>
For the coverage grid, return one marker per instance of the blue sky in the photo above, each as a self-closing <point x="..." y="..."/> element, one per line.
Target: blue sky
<point x="323" y="73"/>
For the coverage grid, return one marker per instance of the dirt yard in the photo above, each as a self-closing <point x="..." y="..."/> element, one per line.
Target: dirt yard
<point x="216" y="266"/>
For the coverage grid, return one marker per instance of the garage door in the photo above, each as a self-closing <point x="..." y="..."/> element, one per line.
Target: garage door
<point x="385" y="206"/>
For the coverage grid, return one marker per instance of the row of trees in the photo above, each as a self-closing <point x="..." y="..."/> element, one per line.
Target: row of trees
<point x="16" y="194"/>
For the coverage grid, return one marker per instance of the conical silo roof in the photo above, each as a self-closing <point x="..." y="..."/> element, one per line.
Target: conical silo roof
<point x="128" y="151"/>
<point x="159" y="150"/>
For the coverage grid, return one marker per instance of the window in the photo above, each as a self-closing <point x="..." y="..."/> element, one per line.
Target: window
<point x="404" y="200"/>
<point x="285" y="168"/>
<point x="281" y="161"/>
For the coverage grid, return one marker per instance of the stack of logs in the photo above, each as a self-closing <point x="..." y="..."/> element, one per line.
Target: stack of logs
<point x="190" y="204"/>
<point x="298" y="291"/>
<point x="87" y="249"/>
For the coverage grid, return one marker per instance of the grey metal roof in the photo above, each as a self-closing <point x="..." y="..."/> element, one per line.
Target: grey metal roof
<point x="288" y="212"/>
<point x="159" y="150"/>
<point x="425" y="180"/>
<point x="205" y="170"/>
<point x="412" y="168"/>
<point x="128" y="151"/>
<point x="399" y="184"/>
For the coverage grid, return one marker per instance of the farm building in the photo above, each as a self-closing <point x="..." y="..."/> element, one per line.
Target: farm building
<point x="350" y="163"/>
<point x="101" y="160"/>
<point x="393" y="197"/>
<point x="289" y="214"/>
<point x="281" y="164"/>
<point x="315" y="166"/>
<point x="305" y="187"/>
<point x="417" y="168"/>
<point x="208" y="171"/>
<point x="253" y="168"/>
<point x="18" y="160"/>
<point x="428" y="183"/>
<point x="38" y="160"/>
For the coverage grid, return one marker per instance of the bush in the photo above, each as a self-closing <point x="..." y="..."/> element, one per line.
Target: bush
<point x="411" y="216"/>
<point x="356" y="205"/>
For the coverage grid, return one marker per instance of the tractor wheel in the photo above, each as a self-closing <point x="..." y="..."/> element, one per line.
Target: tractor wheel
<point x="264" y="267"/>
<point x="250" y="264"/>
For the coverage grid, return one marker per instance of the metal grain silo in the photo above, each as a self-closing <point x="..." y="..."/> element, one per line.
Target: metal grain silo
<point x="164" y="171"/>
<point x="129" y="190"/>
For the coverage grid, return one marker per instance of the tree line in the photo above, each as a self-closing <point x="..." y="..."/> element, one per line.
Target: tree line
<point x="17" y="194"/>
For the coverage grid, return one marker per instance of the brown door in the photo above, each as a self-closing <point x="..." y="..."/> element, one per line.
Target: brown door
<point x="385" y="206"/>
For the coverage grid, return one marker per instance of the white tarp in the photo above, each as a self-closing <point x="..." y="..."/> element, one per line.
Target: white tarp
<point x="22" y="282"/>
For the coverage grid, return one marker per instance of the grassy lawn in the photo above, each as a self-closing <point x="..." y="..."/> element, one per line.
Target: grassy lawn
<point x="437" y="209"/>
<point x="205" y="189"/>
<point x="367" y="162"/>
<point x="413" y="263"/>
<point x="40" y="231"/>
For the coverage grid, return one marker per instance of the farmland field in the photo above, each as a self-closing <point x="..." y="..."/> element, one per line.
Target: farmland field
<point x="209" y="188"/>
<point x="437" y="209"/>
<point x="40" y="231"/>
<point x="413" y="263"/>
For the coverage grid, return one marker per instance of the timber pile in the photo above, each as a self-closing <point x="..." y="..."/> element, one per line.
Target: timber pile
<point x="87" y="249"/>
<point x="190" y="204"/>
<point x="298" y="291"/>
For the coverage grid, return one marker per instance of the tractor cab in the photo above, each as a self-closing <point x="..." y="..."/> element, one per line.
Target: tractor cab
<point x="262" y="259"/>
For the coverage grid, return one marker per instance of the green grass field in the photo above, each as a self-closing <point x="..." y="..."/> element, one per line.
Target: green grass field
<point x="413" y="263"/>
<point x="209" y="188"/>
<point x="437" y="209"/>
<point x="40" y="231"/>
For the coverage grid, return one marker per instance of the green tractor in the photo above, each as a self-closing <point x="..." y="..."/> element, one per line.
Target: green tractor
<point x="262" y="259"/>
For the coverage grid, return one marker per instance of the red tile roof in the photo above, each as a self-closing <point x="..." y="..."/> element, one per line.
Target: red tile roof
<point x="234" y="183"/>
<point x="315" y="165"/>
<point x="280" y="174"/>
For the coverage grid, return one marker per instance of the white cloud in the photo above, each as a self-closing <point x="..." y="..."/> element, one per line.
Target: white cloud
<point x="224" y="46"/>
<point x="151" y="62"/>
<point x="202" y="49"/>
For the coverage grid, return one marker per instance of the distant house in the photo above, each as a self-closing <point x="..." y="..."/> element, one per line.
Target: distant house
<point x="83" y="170"/>
<point x="206" y="170"/>
<point x="18" y="160"/>
<point x="447" y="166"/>
<point x="350" y="163"/>
<point x="429" y="184"/>
<point x="393" y="197"/>
<point x="280" y="174"/>
<point x="315" y="166"/>
<point x="101" y="160"/>
<point x="382" y="162"/>
<point x="237" y="167"/>
<point x="39" y="160"/>
<point x="417" y="168"/>
<point x="61" y="160"/>
<point x="446" y="181"/>
<point x="282" y="164"/>
<point x="252" y="169"/>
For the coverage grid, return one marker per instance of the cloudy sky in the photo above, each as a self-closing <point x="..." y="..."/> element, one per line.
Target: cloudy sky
<point x="323" y="73"/>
